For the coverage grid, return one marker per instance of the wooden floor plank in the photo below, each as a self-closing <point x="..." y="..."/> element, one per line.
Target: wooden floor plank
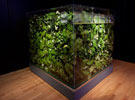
<point x="25" y="85"/>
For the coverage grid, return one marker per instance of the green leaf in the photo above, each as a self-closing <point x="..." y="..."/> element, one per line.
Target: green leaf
<point x="90" y="62"/>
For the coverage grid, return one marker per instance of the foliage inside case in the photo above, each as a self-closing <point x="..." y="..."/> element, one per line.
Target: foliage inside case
<point x="57" y="45"/>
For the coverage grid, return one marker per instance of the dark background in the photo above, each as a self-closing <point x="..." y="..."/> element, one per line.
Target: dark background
<point x="13" y="36"/>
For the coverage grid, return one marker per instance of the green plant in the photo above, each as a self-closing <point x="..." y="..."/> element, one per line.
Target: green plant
<point x="56" y="45"/>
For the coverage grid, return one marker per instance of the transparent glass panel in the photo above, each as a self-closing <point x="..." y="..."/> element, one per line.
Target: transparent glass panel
<point x="51" y="42"/>
<point x="94" y="41"/>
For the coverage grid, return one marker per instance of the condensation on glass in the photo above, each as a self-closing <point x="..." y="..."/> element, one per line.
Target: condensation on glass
<point x="71" y="43"/>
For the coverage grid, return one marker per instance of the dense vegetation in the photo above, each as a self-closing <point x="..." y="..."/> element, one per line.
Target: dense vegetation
<point x="58" y="46"/>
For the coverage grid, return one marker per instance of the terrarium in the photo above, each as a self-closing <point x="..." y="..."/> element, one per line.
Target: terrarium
<point x="71" y="45"/>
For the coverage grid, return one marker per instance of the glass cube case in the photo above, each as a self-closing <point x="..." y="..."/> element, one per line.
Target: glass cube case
<point x="72" y="43"/>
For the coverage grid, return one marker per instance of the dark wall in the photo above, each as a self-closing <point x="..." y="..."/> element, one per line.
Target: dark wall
<point x="12" y="21"/>
<point x="14" y="37"/>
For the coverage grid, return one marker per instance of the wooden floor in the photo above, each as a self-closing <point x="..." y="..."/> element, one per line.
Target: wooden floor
<point x="24" y="85"/>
